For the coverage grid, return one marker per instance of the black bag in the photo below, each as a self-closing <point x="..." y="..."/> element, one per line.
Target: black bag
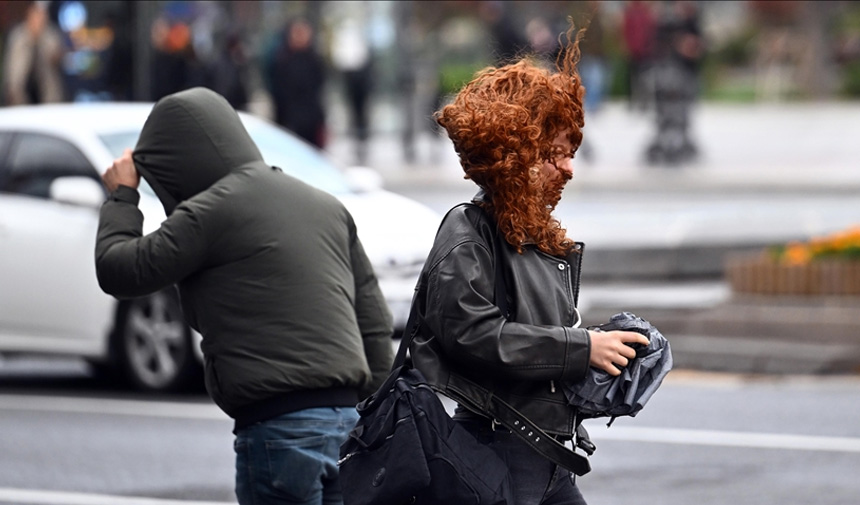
<point x="406" y="449"/>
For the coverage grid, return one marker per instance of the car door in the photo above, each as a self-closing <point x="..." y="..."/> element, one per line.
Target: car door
<point x="49" y="297"/>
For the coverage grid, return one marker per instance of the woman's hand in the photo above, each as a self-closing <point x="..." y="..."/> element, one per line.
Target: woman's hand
<point x="609" y="348"/>
<point x="121" y="173"/>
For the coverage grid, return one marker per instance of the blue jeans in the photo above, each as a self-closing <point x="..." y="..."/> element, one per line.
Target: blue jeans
<point x="534" y="479"/>
<point x="292" y="459"/>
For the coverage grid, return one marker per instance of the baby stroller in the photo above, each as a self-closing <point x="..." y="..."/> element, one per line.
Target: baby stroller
<point x="673" y="89"/>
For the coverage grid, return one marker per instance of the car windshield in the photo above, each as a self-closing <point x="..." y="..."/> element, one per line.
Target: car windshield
<point x="279" y="149"/>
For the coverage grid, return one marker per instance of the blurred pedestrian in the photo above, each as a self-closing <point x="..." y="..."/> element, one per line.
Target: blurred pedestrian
<point x="298" y="79"/>
<point x="506" y="38"/>
<point x="683" y="31"/>
<point x="229" y="72"/>
<point x="775" y="62"/>
<point x="34" y="51"/>
<point x="352" y="58"/>
<point x="119" y="60"/>
<point x="639" y="25"/>
<point x="268" y="55"/>
<point x="674" y="74"/>
<point x="593" y="67"/>
<point x="271" y="272"/>
<point x="516" y="129"/>
<point x="169" y="68"/>
<point x="543" y="45"/>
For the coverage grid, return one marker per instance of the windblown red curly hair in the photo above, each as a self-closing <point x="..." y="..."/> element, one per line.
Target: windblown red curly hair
<point x="503" y="124"/>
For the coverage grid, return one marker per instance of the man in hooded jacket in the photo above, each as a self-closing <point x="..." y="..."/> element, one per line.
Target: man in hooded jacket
<point x="271" y="272"/>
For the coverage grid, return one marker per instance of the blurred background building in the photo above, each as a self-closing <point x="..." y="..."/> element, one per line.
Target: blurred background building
<point x="384" y="56"/>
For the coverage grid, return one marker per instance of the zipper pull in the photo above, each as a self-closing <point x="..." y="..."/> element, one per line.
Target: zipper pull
<point x="552" y="386"/>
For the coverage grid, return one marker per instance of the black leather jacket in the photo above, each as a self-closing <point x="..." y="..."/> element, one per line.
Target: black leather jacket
<point x="464" y="334"/>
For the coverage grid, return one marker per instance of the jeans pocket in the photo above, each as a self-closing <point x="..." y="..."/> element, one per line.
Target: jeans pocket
<point x="297" y="466"/>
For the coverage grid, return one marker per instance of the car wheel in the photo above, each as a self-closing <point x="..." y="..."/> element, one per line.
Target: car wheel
<point x="153" y="343"/>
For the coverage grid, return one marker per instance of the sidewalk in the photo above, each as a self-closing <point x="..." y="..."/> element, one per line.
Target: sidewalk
<point x="750" y="147"/>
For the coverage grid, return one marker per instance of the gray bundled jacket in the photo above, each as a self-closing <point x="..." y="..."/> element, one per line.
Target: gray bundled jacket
<point x="270" y="270"/>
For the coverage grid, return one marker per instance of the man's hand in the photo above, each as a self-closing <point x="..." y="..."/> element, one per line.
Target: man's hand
<point x="609" y="348"/>
<point x="121" y="173"/>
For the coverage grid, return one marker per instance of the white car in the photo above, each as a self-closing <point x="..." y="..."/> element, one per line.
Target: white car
<point x="51" y="158"/>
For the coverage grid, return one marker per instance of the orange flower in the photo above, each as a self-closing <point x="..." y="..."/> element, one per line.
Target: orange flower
<point x="797" y="253"/>
<point x="843" y="243"/>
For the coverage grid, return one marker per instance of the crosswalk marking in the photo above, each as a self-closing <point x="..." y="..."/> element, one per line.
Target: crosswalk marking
<point x="727" y="439"/>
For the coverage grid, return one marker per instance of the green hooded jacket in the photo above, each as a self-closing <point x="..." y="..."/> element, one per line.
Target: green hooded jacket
<point x="270" y="270"/>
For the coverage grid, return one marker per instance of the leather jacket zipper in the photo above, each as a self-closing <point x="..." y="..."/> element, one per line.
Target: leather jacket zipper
<point x="580" y="249"/>
<point x="574" y="312"/>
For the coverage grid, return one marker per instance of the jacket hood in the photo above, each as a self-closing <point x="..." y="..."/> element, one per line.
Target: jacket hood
<point x="190" y="140"/>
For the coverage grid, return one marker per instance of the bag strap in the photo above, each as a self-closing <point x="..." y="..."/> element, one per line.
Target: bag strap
<point x="504" y="414"/>
<point x="501" y="292"/>
<point x="545" y="444"/>
<point x="411" y="327"/>
<point x="409" y="330"/>
<point x="373" y="401"/>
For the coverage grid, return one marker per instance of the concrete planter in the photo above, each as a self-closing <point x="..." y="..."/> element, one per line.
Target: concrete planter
<point x="760" y="274"/>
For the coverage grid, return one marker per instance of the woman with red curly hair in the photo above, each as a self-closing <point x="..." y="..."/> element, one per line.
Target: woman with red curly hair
<point x="511" y="343"/>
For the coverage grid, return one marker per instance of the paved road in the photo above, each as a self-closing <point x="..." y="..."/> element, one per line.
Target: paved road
<point x="703" y="438"/>
<point x="724" y="439"/>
